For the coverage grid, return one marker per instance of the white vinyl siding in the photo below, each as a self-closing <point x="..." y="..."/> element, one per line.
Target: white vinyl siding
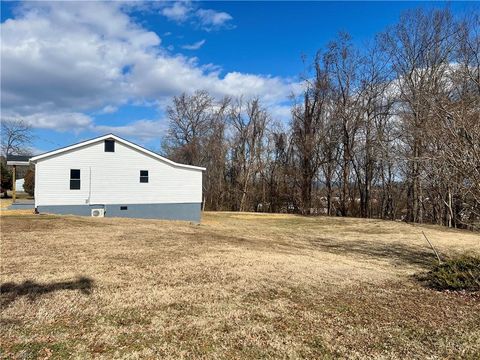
<point x="113" y="178"/>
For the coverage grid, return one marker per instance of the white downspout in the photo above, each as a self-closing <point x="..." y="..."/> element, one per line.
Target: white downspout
<point x="89" y="200"/>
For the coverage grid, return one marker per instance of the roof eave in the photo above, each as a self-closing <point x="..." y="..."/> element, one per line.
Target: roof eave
<point x="13" y="162"/>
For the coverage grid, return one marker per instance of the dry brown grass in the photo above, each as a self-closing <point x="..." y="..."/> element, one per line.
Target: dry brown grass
<point x="236" y="286"/>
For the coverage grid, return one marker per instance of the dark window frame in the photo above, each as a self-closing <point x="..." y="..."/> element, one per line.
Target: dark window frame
<point x="109" y="145"/>
<point x="144" y="176"/>
<point x="123" y="207"/>
<point x="75" y="176"/>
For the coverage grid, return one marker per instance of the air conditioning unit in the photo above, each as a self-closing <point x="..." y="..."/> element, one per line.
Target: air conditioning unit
<point x="98" y="212"/>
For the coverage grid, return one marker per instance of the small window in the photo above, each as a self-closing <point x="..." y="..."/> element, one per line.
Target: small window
<point x="144" y="176"/>
<point x="109" y="145"/>
<point x="123" y="207"/>
<point x="74" y="179"/>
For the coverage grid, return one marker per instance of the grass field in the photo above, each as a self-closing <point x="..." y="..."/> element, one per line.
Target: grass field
<point x="237" y="286"/>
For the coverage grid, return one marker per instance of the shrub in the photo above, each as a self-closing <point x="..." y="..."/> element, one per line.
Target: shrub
<point x="460" y="273"/>
<point x="29" y="182"/>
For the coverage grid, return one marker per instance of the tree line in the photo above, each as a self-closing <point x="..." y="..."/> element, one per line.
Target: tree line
<point x="389" y="130"/>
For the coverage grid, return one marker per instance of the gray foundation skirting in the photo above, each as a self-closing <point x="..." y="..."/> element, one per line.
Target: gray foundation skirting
<point x="186" y="211"/>
<point x="21" y="207"/>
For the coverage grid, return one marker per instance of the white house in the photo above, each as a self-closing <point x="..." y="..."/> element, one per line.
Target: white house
<point x="111" y="176"/>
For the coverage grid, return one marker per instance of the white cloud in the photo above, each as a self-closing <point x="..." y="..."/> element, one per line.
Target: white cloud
<point x="211" y="19"/>
<point x="206" y="19"/>
<point x="281" y="112"/>
<point x="195" y="46"/>
<point x="60" y="60"/>
<point x="109" y="109"/>
<point x="179" y="11"/>
<point x="60" y="121"/>
<point x="69" y="55"/>
<point x="144" y="130"/>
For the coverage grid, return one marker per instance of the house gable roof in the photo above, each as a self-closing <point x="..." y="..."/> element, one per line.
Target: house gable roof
<point x="120" y="140"/>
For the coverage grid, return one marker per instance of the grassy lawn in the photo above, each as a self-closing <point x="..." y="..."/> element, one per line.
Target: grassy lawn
<point x="236" y="286"/>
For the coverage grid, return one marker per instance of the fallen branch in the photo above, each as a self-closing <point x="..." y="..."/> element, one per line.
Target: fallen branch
<point x="435" y="250"/>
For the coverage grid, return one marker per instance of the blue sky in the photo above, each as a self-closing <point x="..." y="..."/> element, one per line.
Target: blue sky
<point x="77" y="70"/>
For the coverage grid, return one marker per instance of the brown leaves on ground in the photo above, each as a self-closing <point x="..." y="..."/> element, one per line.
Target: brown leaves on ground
<point x="236" y="286"/>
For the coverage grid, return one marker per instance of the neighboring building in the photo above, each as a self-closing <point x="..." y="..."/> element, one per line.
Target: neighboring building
<point x="111" y="176"/>
<point x="15" y="160"/>
<point x="19" y="185"/>
<point x="22" y="162"/>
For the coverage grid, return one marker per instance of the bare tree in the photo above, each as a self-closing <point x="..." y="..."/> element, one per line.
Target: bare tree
<point x="345" y="60"/>
<point x="421" y="47"/>
<point x="309" y="122"/>
<point x="373" y="107"/>
<point x="278" y="170"/>
<point x="190" y="124"/>
<point x="16" y="137"/>
<point x="248" y="122"/>
<point x="196" y="136"/>
<point x="215" y="157"/>
<point x="455" y="132"/>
